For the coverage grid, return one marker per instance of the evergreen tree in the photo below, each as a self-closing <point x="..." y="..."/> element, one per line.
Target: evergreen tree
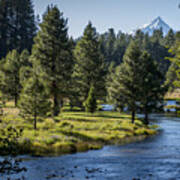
<point x="89" y="67"/>
<point x="159" y="52"/>
<point x="25" y="58"/>
<point x="139" y="36"/>
<point x="171" y="76"/>
<point x="10" y="75"/>
<point x="152" y="91"/>
<point x="4" y="30"/>
<point x="34" y="99"/>
<point x="126" y="85"/>
<point x="110" y="46"/>
<point x="113" y="46"/>
<point x="120" y="46"/>
<point x="25" y="71"/>
<point x="51" y="55"/>
<point x="23" y="20"/>
<point x="115" y="95"/>
<point x="18" y="25"/>
<point x="169" y="40"/>
<point x="90" y="103"/>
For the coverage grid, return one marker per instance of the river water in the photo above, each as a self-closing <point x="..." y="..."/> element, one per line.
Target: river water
<point x="155" y="158"/>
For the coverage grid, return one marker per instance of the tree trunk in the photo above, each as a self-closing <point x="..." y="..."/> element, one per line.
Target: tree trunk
<point x="15" y="100"/>
<point x="56" y="108"/>
<point x="146" y="120"/>
<point x="35" y="121"/>
<point x="61" y="104"/>
<point x="133" y="116"/>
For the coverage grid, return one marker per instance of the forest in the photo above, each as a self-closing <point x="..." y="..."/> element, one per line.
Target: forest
<point x="52" y="86"/>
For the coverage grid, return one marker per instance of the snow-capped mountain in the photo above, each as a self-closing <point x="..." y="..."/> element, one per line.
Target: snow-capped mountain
<point x="156" y="24"/>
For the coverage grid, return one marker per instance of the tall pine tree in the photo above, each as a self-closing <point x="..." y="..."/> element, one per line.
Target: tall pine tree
<point x="89" y="67"/>
<point x="51" y="55"/>
<point x="152" y="90"/>
<point x="18" y="27"/>
<point x="34" y="100"/>
<point x="10" y="75"/>
<point x="125" y="86"/>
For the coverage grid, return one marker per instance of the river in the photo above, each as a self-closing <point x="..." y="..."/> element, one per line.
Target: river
<point x="155" y="158"/>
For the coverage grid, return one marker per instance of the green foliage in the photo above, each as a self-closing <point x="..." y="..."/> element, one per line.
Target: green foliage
<point x="34" y="100"/>
<point x="51" y="55"/>
<point x="152" y="91"/>
<point x="89" y="66"/>
<point x="113" y="46"/>
<point x="90" y="103"/>
<point x="125" y="86"/>
<point x="136" y="83"/>
<point x="18" y="27"/>
<point x="48" y="124"/>
<point x="24" y="58"/>
<point x="9" y="144"/>
<point x="170" y="38"/>
<point x="73" y="131"/>
<point x="10" y="80"/>
<point x="173" y="75"/>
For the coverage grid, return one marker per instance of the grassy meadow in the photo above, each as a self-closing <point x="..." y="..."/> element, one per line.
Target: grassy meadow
<point x="73" y="131"/>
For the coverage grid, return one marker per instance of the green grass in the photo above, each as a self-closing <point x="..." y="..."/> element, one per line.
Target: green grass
<point x="76" y="131"/>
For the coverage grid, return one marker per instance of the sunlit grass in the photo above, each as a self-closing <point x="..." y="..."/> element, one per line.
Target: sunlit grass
<point x="75" y="131"/>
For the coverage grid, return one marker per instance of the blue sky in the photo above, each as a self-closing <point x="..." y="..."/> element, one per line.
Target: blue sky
<point x="122" y="15"/>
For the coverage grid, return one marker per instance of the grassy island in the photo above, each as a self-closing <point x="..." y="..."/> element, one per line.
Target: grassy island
<point x="74" y="131"/>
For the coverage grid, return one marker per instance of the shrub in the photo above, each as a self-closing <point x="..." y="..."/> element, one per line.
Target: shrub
<point x="48" y="124"/>
<point x="9" y="143"/>
<point x="90" y="103"/>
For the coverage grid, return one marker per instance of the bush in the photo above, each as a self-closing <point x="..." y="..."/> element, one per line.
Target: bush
<point x="90" y="103"/>
<point x="48" y="124"/>
<point x="9" y="143"/>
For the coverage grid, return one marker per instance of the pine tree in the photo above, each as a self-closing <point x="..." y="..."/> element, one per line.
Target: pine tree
<point x="10" y="75"/>
<point x="90" y="103"/>
<point x="110" y="46"/>
<point x="158" y="51"/>
<point x="18" y="26"/>
<point x="115" y="95"/>
<point x="113" y="46"/>
<point x="51" y="55"/>
<point x="126" y="84"/>
<point x="89" y="67"/>
<point x="25" y="58"/>
<point x="25" y="71"/>
<point x="169" y="40"/>
<point x="152" y="90"/>
<point x="173" y="75"/>
<point x="120" y="46"/>
<point x="34" y="100"/>
<point x="4" y="30"/>
<point x="23" y="20"/>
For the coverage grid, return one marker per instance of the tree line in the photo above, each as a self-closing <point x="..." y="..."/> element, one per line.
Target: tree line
<point x="42" y="67"/>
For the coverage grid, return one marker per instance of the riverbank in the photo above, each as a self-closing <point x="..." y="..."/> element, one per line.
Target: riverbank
<point x="75" y="132"/>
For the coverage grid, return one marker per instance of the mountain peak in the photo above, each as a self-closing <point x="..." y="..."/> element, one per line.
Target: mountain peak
<point x="159" y="18"/>
<point x="157" y="24"/>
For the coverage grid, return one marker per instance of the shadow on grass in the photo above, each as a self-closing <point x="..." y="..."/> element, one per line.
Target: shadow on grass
<point x="82" y="137"/>
<point x="94" y="116"/>
<point x="80" y="120"/>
